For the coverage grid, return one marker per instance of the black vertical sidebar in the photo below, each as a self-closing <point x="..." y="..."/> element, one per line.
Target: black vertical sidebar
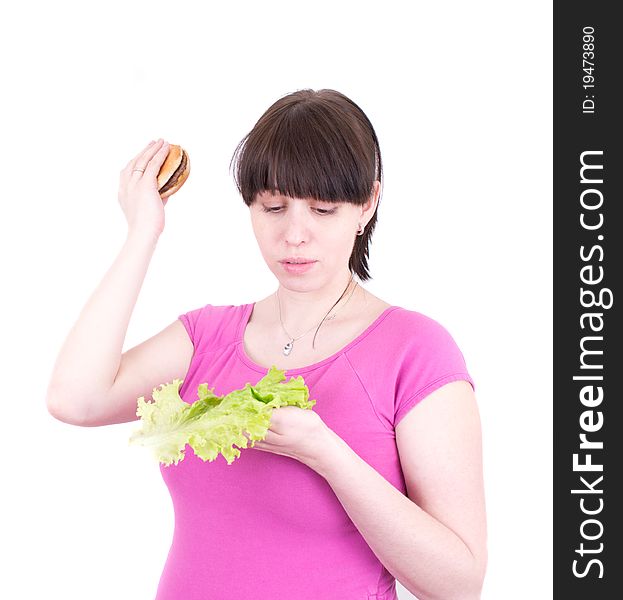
<point x="588" y="269"/>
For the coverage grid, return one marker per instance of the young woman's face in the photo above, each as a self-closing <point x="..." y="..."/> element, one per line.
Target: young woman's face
<point x="322" y="233"/>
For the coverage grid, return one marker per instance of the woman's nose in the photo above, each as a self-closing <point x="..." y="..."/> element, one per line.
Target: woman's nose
<point x="296" y="227"/>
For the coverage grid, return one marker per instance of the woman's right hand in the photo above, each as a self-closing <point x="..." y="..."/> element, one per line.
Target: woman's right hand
<point x="138" y="192"/>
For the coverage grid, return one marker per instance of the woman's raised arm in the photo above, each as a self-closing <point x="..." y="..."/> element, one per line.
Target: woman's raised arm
<point x="90" y="359"/>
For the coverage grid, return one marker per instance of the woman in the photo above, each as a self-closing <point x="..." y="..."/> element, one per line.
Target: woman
<point x="383" y="478"/>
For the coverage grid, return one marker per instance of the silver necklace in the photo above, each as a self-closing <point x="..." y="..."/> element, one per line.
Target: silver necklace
<point x="287" y="349"/>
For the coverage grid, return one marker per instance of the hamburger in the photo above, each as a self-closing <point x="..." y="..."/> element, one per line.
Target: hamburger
<point x="173" y="172"/>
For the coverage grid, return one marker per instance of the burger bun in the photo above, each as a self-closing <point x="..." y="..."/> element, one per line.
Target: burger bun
<point x="174" y="171"/>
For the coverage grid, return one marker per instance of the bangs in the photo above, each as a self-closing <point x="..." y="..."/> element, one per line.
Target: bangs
<point x="307" y="146"/>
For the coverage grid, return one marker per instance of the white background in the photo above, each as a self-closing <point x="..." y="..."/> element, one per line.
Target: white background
<point x="460" y="96"/>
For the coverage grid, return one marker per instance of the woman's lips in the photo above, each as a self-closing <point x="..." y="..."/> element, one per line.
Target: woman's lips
<point x="298" y="267"/>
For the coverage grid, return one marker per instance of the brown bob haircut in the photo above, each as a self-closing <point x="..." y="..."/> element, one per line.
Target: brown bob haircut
<point x="313" y="144"/>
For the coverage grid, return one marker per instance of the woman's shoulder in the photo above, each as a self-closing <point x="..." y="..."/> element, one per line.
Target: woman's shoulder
<point x="409" y="353"/>
<point x="409" y="321"/>
<point x="412" y="334"/>
<point x="399" y="324"/>
<point x="213" y="312"/>
<point x="212" y="325"/>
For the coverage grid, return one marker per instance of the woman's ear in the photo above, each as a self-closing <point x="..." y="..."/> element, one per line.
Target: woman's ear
<point x="370" y="206"/>
<point x="376" y="191"/>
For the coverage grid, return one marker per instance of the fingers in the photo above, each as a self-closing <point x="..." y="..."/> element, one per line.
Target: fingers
<point x="158" y="156"/>
<point x="144" y="156"/>
<point x="269" y="438"/>
<point x="145" y="159"/>
<point x="132" y="161"/>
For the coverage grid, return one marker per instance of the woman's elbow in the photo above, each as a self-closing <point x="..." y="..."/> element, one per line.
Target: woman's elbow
<point x="65" y="412"/>
<point x="471" y="587"/>
<point x="480" y="571"/>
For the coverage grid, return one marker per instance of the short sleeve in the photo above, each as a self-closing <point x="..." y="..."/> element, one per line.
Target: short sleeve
<point x="189" y="321"/>
<point x="195" y="323"/>
<point x="432" y="360"/>
<point x="212" y="327"/>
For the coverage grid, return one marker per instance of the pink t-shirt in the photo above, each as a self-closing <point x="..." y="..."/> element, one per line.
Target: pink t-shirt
<point x="267" y="526"/>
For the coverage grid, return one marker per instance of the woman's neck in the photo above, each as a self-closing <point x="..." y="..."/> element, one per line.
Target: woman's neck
<point x="302" y="310"/>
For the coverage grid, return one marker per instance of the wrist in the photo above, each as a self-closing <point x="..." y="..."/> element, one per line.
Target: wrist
<point x="331" y="451"/>
<point x="143" y="236"/>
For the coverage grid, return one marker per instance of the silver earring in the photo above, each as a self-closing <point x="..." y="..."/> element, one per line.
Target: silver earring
<point x="360" y="230"/>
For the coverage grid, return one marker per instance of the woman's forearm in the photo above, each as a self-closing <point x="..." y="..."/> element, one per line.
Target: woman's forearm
<point x="89" y="359"/>
<point x="428" y="558"/>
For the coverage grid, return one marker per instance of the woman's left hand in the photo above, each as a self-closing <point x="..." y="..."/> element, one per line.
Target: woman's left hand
<point x="297" y="433"/>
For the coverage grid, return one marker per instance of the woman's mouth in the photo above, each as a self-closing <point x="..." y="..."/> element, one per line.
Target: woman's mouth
<point x="296" y="266"/>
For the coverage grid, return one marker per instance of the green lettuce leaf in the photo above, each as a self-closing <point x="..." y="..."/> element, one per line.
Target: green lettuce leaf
<point x="214" y="424"/>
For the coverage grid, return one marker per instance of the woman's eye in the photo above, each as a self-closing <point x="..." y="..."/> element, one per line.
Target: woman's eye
<point x="320" y="211"/>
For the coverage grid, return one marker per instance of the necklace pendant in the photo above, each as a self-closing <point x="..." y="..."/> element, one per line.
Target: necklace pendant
<point x="288" y="348"/>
